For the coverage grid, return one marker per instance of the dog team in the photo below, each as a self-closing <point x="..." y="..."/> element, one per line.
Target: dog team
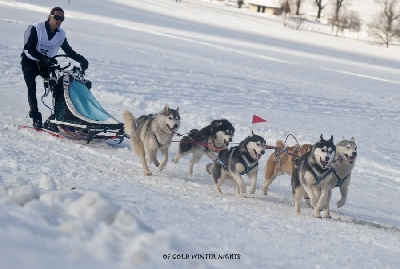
<point x="315" y="169"/>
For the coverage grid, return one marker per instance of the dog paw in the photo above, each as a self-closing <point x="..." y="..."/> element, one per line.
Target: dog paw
<point x="340" y="203"/>
<point x="317" y="213"/>
<point x="148" y="173"/>
<point x="218" y="190"/>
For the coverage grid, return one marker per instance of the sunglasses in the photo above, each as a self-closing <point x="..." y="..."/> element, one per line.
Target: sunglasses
<point x="58" y="18"/>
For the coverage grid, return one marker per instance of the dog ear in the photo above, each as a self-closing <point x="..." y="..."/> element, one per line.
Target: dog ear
<point x="177" y="109"/>
<point x="214" y="124"/>
<point x="321" y="138"/>
<point x="331" y="138"/>
<point x="166" y="108"/>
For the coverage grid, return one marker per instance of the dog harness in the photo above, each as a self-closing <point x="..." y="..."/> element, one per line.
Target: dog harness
<point x="341" y="180"/>
<point x="158" y="142"/>
<point x="246" y="166"/>
<point x="218" y="160"/>
<point x="324" y="175"/>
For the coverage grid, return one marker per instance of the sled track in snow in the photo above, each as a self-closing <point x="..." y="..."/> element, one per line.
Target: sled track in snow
<point x="371" y="224"/>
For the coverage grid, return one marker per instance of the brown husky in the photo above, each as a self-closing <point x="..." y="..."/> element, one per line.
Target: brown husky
<point x="282" y="162"/>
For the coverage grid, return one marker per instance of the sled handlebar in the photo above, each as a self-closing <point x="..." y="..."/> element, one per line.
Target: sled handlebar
<point x="62" y="68"/>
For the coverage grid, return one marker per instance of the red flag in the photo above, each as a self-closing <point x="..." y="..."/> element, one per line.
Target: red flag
<point x="257" y="119"/>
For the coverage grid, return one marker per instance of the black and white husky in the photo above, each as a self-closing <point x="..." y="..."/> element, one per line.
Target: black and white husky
<point x="237" y="161"/>
<point x="150" y="133"/>
<point x="209" y="140"/>
<point x="313" y="174"/>
<point x="346" y="154"/>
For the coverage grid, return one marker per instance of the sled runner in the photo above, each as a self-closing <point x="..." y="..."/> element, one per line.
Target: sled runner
<point x="75" y="110"/>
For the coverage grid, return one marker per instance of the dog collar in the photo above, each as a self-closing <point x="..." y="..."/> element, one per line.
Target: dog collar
<point x="215" y="148"/>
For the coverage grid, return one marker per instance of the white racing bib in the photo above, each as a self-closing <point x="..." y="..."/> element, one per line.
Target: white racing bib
<point x="45" y="46"/>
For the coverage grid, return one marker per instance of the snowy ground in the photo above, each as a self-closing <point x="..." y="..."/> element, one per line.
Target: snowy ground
<point x="69" y="205"/>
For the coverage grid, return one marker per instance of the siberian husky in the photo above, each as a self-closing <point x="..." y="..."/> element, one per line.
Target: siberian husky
<point x="282" y="162"/>
<point x="150" y="133"/>
<point x="209" y="140"/>
<point x="313" y="174"/>
<point x="237" y="161"/>
<point x="346" y="154"/>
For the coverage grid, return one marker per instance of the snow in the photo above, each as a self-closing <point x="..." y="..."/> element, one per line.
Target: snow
<point x="65" y="204"/>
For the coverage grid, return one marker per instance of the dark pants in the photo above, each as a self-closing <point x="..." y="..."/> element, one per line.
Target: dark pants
<point x="31" y="70"/>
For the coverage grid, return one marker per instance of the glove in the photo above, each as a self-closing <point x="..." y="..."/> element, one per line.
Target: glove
<point x="49" y="61"/>
<point x="84" y="63"/>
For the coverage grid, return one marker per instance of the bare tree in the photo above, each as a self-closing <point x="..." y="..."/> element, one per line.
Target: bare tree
<point x="298" y="4"/>
<point x="383" y="28"/>
<point x="336" y="21"/>
<point x="338" y="5"/>
<point x="349" y="20"/>
<point x="320" y="6"/>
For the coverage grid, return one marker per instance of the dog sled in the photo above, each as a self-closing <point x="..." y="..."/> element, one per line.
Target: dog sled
<point x="75" y="111"/>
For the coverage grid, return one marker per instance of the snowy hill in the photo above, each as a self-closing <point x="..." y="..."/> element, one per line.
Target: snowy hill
<point x="64" y="204"/>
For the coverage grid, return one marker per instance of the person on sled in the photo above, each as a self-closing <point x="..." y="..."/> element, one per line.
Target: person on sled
<point x="42" y="42"/>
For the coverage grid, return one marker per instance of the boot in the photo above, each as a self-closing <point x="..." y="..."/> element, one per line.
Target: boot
<point x="36" y="118"/>
<point x="51" y="126"/>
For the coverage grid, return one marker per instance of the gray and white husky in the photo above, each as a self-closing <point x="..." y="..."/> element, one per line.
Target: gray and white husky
<point x="209" y="140"/>
<point x="237" y="161"/>
<point x="313" y="174"/>
<point x="346" y="154"/>
<point x="150" y="133"/>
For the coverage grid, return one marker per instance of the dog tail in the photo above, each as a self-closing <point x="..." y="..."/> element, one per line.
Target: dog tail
<point x="130" y="127"/>
<point x="295" y="180"/>
<point x="208" y="168"/>
<point x="129" y="123"/>
<point x="279" y="144"/>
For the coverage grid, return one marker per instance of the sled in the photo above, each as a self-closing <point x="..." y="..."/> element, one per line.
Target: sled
<point x="75" y="110"/>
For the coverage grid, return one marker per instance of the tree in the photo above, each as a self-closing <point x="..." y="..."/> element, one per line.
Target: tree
<point x="240" y="3"/>
<point x="320" y="6"/>
<point x="383" y="27"/>
<point x="337" y="10"/>
<point x="298" y="4"/>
